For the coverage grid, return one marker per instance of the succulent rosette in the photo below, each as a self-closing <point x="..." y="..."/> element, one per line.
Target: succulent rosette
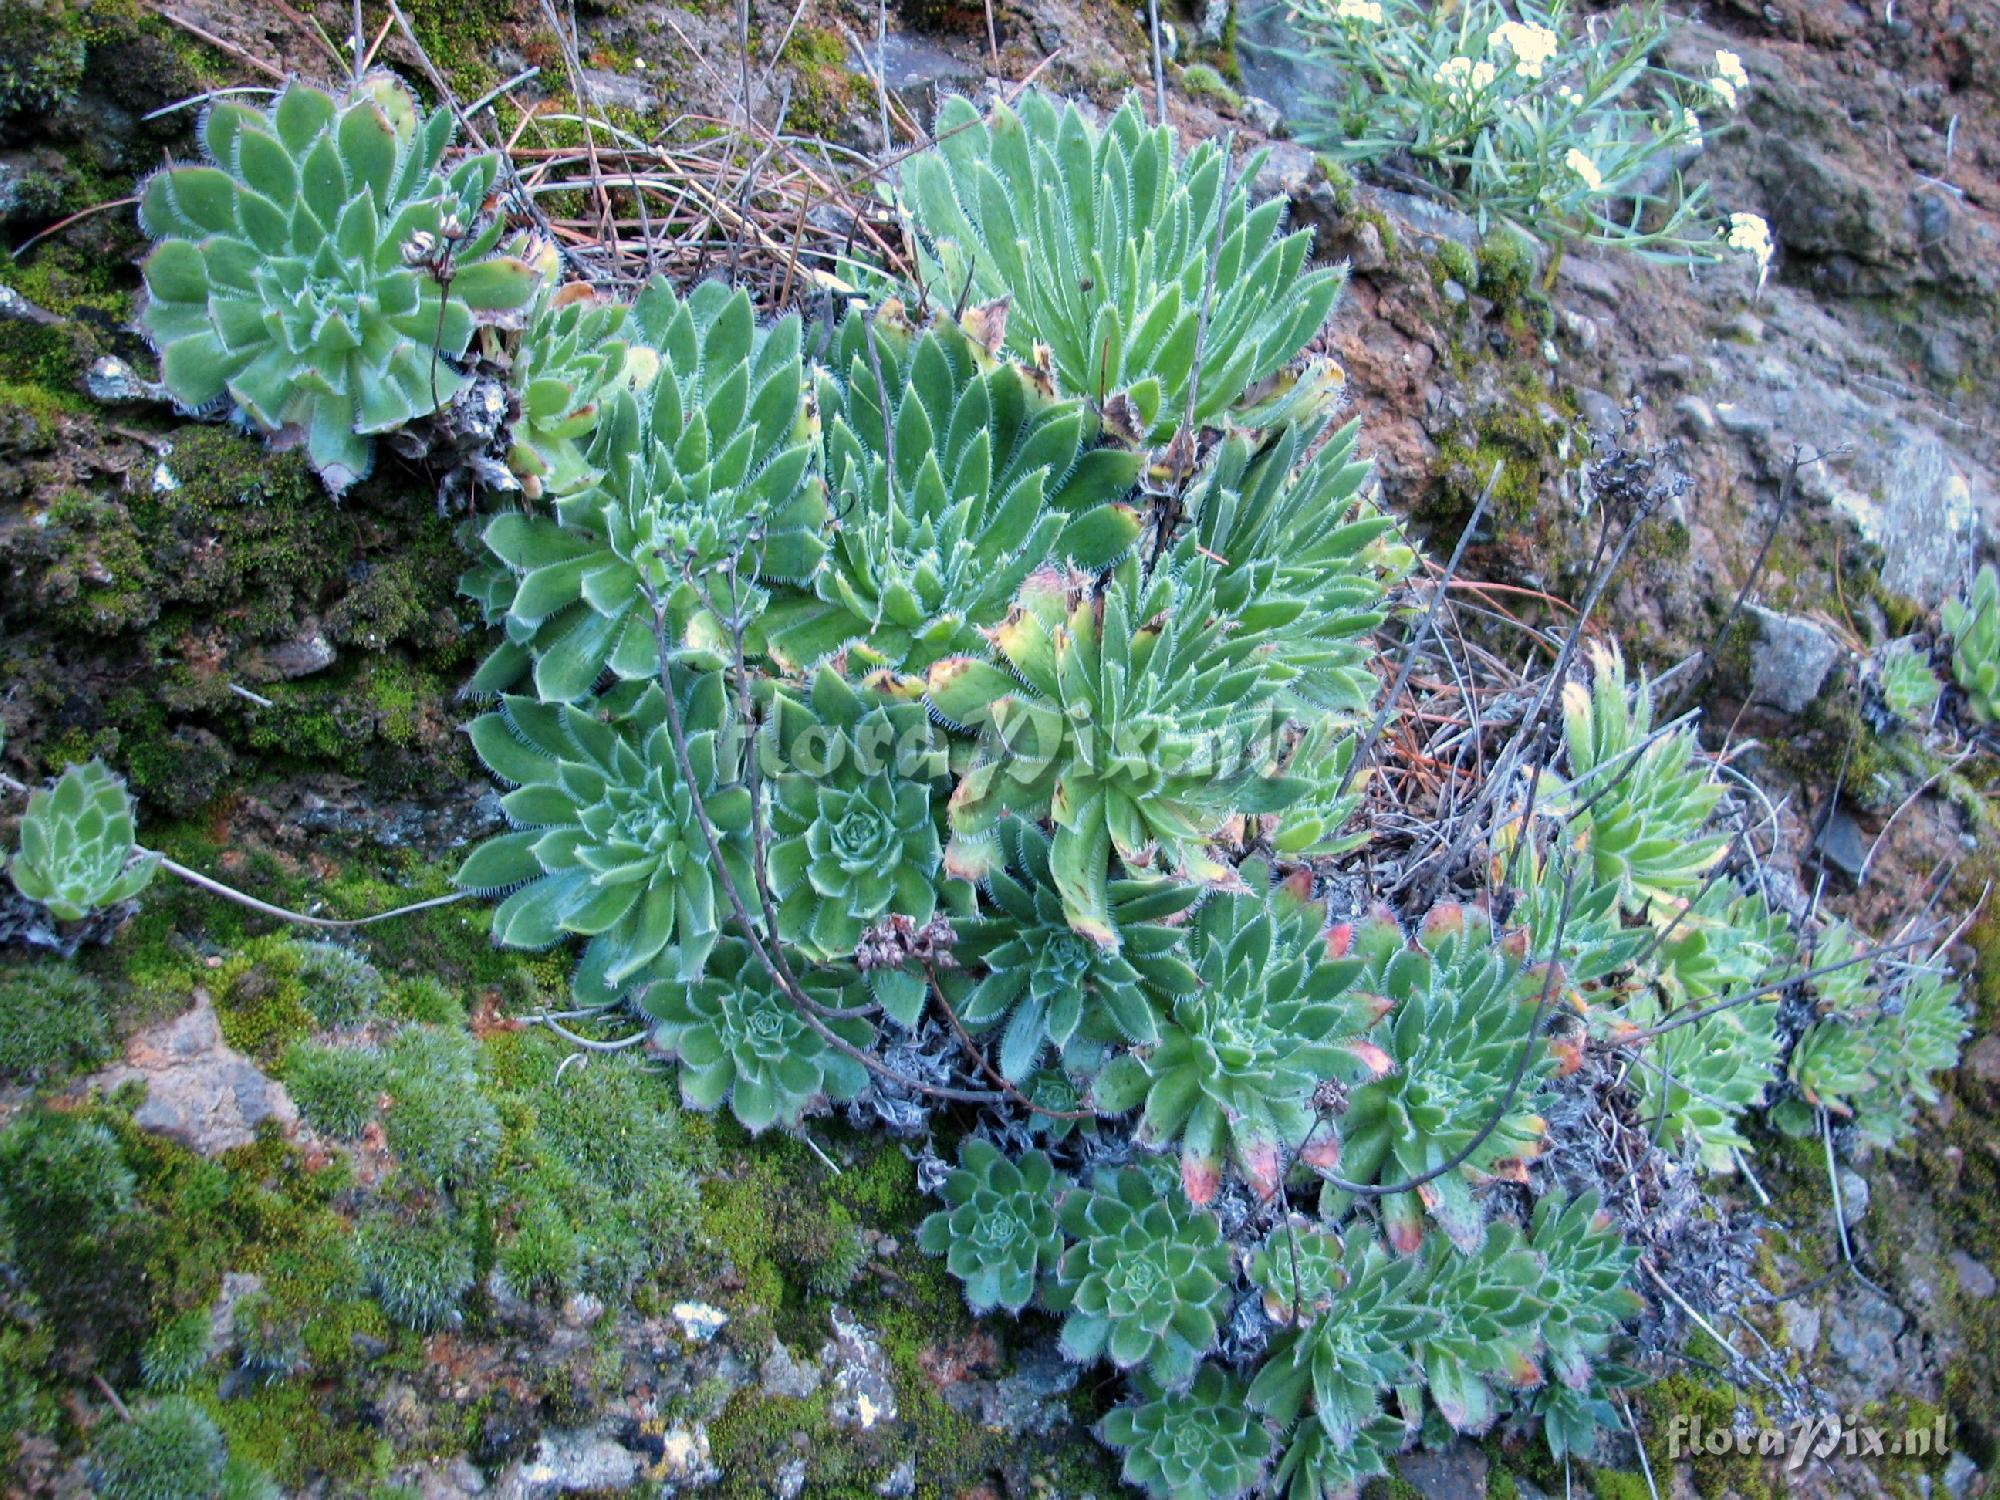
<point x="324" y="272"/>
<point x="854" y="837"/>
<point x="997" y="1232"/>
<point x="740" y="1039"/>
<point x="1147" y="1280"/>
<point x="609" y="845"/>
<point x="78" y="854"/>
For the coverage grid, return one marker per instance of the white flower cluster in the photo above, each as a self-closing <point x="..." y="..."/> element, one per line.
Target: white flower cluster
<point x="1585" y="168"/>
<point x="1464" y="77"/>
<point x="1531" y="46"/>
<point x="1750" y="234"/>
<point x="1730" y="79"/>
<point x="1359" y="10"/>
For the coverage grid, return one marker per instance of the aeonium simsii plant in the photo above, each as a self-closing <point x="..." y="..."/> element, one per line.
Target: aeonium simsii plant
<point x="1520" y="118"/>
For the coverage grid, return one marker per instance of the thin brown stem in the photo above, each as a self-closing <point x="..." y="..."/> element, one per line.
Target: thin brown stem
<point x="986" y="1066"/>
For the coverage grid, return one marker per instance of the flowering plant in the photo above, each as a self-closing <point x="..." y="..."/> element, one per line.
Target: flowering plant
<point x="1518" y="121"/>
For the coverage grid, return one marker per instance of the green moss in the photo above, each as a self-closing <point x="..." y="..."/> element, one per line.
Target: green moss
<point x="461" y="38"/>
<point x="293" y="1432"/>
<point x="1715" y="1407"/>
<point x="36" y="404"/>
<point x="826" y="94"/>
<point x="217" y="573"/>
<point x="29" y="1406"/>
<point x="424" y="1000"/>
<point x="1451" y="261"/>
<point x="176" y="1352"/>
<point x="170" y="1450"/>
<point x="1615" y="1484"/>
<point x="1463" y="471"/>
<point x="419" y="1271"/>
<point x="734" y="1237"/>
<point x="757" y="1435"/>
<point x="1202" y="81"/>
<point x="1903" y="614"/>
<point x="612" y="1118"/>
<point x="1225" y="55"/>
<point x="277" y="989"/>
<point x="39" y="355"/>
<point x="1385" y="231"/>
<point x="438" y="1122"/>
<point x="42" y="49"/>
<point x="599" y="1164"/>
<point x="1879" y="770"/>
<point x="925" y="1310"/>
<point x="52" y="1023"/>
<point x="1665" y="543"/>
<point x="544" y="1256"/>
<point x="278" y="534"/>
<point x="1526" y="432"/>
<point x="260" y="1000"/>
<point x="270" y="1342"/>
<point x="65" y="1194"/>
<point x="100" y="582"/>
<point x="1506" y="266"/>
<point x="335" y="1088"/>
<point x="449" y="946"/>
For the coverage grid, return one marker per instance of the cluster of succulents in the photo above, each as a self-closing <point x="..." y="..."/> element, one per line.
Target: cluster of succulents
<point x="1909" y="688"/>
<point x="853" y="832"/>
<point x="1354" y="1347"/>
<point x="574" y="357"/>
<point x="956" y="476"/>
<point x="1100" y="240"/>
<point x="1455" y="1104"/>
<point x="705" y="465"/>
<point x="1193" y="1443"/>
<point x="870" y="658"/>
<point x="1145" y="1281"/>
<point x="978" y="675"/>
<point x="1051" y="985"/>
<point x="1868" y="1057"/>
<point x="1702" y="1077"/>
<point x="997" y="1231"/>
<point x="738" y="1037"/>
<point x="1133" y="718"/>
<point x="613" y="839"/>
<point x="997" y="676"/>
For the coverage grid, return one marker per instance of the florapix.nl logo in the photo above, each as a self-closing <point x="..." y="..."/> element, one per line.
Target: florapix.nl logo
<point x="1824" y="1437"/>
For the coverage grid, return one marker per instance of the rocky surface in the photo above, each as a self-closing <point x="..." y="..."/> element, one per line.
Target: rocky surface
<point x="199" y="1092"/>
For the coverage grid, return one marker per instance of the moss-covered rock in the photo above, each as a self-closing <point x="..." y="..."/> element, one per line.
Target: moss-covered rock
<point x="222" y="611"/>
